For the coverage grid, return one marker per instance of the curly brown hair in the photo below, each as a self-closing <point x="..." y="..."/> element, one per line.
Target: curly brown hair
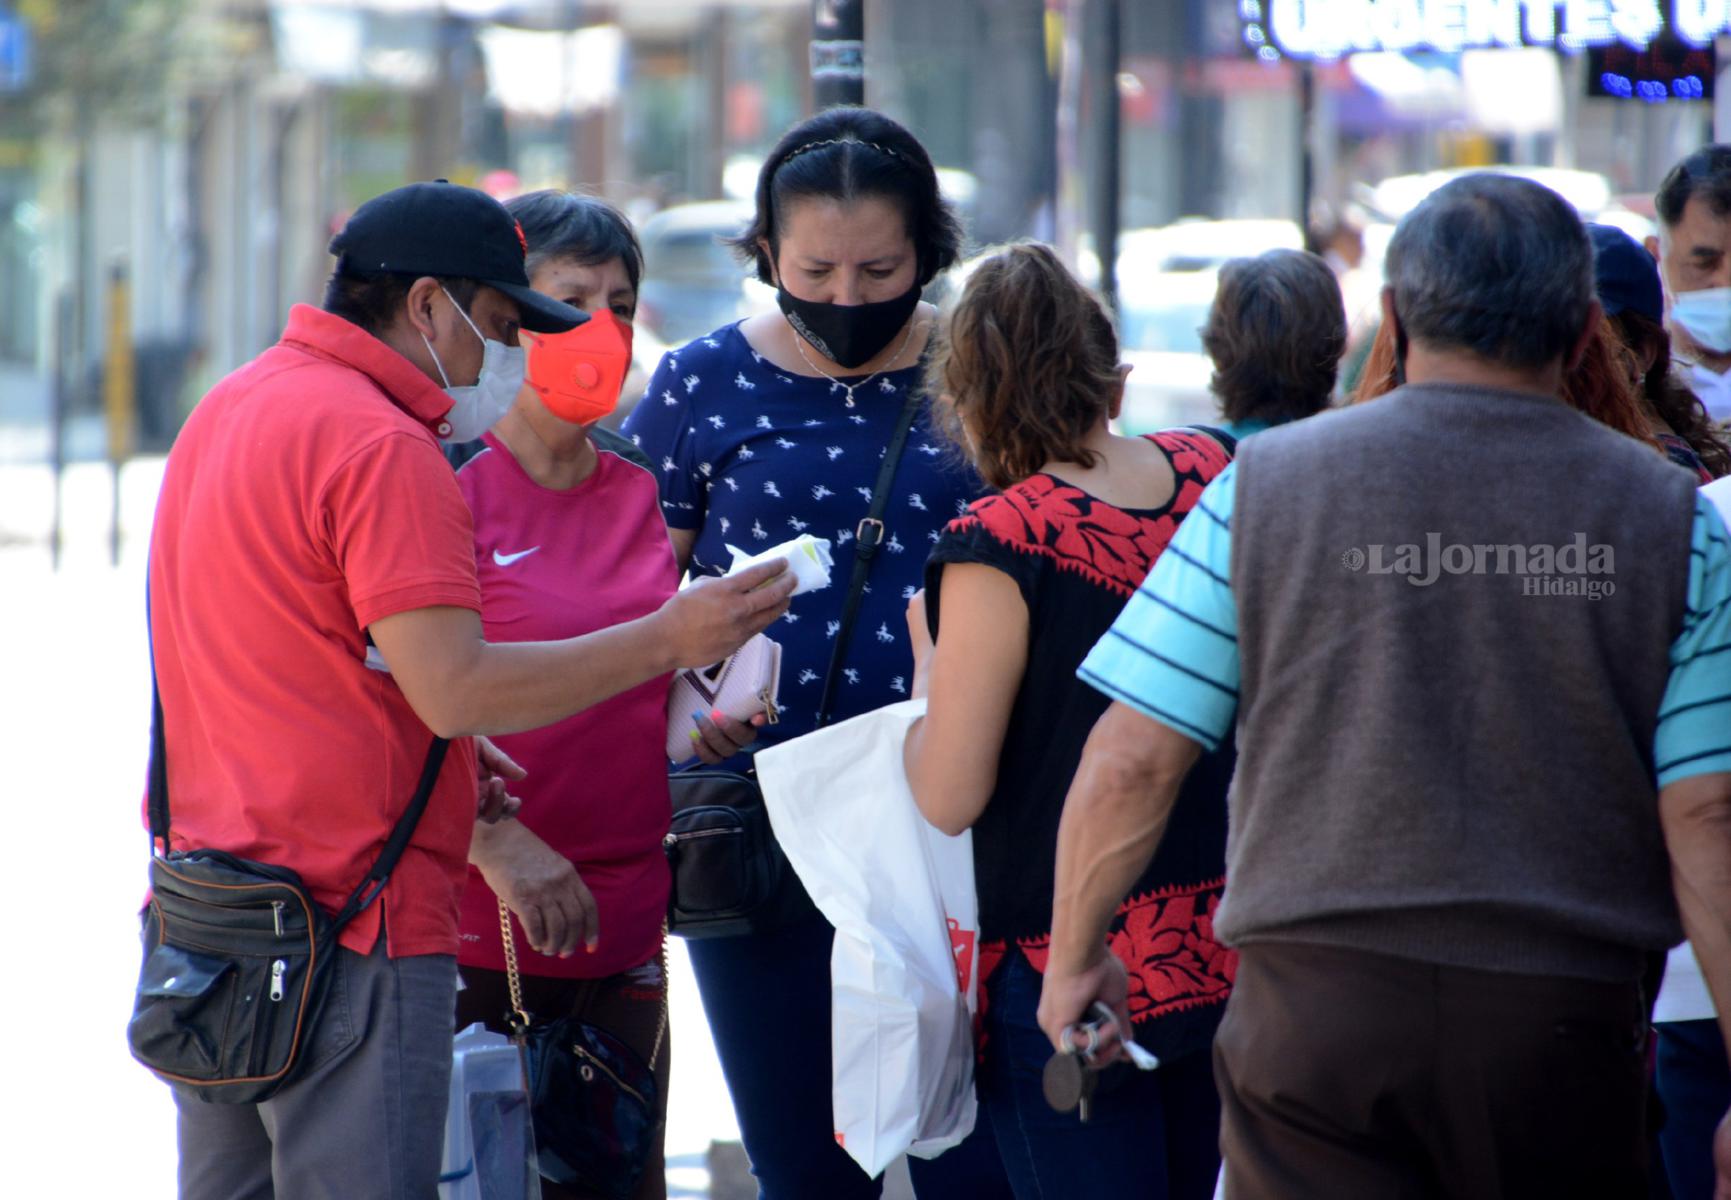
<point x="1598" y="386"/>
<point x="1676" y="405"/>
<point x="1027" y="366"/>
<point x="1275" y="331"/>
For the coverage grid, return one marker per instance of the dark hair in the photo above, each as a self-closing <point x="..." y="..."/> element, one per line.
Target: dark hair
<point x="1707" y="173"/>
<point x="582" y="229"/>
<point x="845" y="154"/>
<point x="1275" y="331"/>
<point x="373" y="301"/>
<point x="1029" y="362"/>
<point x="1598" y="386"/>
<point x="1676" y="405"/>
<point x="1495" y="265"/>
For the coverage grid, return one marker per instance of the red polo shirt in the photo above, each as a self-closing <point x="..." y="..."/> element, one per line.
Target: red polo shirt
<point x="306" y="498"/>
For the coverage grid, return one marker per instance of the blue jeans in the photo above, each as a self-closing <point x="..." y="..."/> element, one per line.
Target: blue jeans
<point x="767" y="1000"/>
<point x="1149" y="1134"/>
<point x="1694" y="1083"/>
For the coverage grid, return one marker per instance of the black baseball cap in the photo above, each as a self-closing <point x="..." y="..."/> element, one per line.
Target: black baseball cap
<point x="444" y="229"/>
<point x="1625" y="275"/>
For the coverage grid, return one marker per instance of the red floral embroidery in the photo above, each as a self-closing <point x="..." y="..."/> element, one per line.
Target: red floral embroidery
<point x="1166" y="940"/>
<point x="1113" y="548"/>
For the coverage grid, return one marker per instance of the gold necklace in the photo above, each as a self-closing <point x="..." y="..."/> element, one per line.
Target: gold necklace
<point x="799" y="344"/>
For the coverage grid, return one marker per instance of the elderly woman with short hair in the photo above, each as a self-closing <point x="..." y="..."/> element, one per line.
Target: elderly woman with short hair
<point x="1276" y="332"/>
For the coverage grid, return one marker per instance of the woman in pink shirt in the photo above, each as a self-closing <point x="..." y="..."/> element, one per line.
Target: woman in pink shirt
<point x="569" y="539"/>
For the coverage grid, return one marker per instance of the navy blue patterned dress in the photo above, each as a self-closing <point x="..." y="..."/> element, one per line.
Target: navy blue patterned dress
<point x="750" y="456"/>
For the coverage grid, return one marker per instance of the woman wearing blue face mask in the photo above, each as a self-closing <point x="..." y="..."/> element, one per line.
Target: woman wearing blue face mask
<point x="774" y="427"/>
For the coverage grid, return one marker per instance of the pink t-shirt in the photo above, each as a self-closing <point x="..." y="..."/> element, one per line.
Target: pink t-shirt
<point x="556" y="565"/>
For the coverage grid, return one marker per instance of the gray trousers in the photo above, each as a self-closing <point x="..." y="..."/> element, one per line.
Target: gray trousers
<point x="365" y="1121"/>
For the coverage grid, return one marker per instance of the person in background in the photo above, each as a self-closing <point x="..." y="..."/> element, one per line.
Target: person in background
<point x="1448" y="873"/>
<point x="315" y="622"/>
<point x="1691" y="1074"/>
<point x="1017" y="590"/>
<point x="1275" y="332"/>
<point x="1600" y="384"/>
<point x="569" y="540"/>
<point x="777" y="426"/>
<point x="1633" y="298"/>
<point x="1693" y="204"/>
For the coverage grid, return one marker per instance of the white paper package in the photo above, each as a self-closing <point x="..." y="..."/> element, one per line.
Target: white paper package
<point x="807" y="557"/>
<point x="904" y="970"/>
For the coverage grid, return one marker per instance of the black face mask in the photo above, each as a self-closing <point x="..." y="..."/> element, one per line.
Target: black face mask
<point x="849" y="334"/>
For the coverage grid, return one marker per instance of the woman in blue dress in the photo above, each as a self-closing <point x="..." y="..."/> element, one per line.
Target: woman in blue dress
<point x="777" y="426"/>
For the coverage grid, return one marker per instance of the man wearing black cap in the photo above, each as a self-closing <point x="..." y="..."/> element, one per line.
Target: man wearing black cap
<point x="315" y="621"/>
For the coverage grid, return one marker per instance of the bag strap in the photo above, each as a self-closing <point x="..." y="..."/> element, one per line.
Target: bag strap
<point x="521" y="1018"/>
<point x="376" y="879"/>
<point x="1227" y="441"/>
<point x="868" y="537"/>
<point x="380" y="874"/>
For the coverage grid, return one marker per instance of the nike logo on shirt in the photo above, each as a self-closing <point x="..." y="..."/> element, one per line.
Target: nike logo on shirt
<point x="505" y="560"/>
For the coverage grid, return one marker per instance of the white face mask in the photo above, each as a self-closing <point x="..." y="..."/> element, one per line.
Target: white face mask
<point x="1706" y="317"/>
<point x="477" y="408"/>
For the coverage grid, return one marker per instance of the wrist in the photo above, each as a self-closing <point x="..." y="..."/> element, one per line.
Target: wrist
<point x="1072" y="959"/>
<point x="490" y="841"/>
<point x="654" y="637"/>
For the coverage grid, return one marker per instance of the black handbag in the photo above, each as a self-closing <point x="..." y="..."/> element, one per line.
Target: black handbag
<point x="729" y="873"/>
<point x="594" y="1102"/>
<point x="237" y="953"/>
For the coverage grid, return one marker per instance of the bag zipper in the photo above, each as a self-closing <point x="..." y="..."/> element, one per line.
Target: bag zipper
<point x="276" y="907"/>
<point x="277" y="969"/>
<point x="672" y="840"/>
<point x="618" y="1082"/>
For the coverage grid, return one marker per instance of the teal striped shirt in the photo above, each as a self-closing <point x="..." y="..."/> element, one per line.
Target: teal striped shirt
<point x="1173" y="652"/>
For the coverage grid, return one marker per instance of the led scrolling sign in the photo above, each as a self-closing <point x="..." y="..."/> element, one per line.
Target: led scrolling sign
<point x="1328" y="29"/>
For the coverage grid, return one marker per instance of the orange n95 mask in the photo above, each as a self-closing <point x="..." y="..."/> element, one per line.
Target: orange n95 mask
<point x="579" y="373"/>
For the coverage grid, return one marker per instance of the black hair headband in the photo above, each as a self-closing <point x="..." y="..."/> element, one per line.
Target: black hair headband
<point x="799" y="150"/>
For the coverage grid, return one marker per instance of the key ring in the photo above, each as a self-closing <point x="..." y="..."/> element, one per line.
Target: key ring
<point x="1102" y="1016"/>
<point x="1092" y="1029"/>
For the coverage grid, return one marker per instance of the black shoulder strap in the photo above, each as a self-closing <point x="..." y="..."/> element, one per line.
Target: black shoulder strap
<point x="1227" y="442"/>
<point x="867" y="538"/>
<point x="375" y="880"/>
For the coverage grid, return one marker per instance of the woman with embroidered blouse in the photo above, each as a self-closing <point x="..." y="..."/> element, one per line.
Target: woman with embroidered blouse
<point x="1017" y="591"/>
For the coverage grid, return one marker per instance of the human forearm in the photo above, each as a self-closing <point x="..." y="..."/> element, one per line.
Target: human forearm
<point x="970" y="682"/>
<point x="1114" y="817"/>
<point x="1696" y="814"/>
<point x="507" y="687"/>
<point x="460" y="684"/>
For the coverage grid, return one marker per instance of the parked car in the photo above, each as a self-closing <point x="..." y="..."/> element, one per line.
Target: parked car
<point x="692" y="282"/>
<point x="1160" y="319"/>
<point x="1166" y="282"/>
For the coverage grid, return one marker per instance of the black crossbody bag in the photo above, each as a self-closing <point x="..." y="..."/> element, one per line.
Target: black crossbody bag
<point x="237" y="954"/>
<point x="729" y="873"/>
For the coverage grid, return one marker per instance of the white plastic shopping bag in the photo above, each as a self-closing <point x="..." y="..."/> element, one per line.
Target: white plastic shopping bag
<point x="489" y="1136"/>
<point x="900" y="894"/>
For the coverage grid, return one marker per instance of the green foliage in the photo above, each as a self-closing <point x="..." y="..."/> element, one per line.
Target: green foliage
<point x="114" y="57"/>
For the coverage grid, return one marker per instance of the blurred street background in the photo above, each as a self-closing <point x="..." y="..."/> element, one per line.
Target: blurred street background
<point x="171" y="171"/>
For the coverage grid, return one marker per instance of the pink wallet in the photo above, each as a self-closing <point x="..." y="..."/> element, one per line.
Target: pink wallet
<point x="742" y="685"/>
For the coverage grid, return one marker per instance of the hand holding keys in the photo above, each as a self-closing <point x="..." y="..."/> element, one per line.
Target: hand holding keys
<point x="1071" y="1076"/>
